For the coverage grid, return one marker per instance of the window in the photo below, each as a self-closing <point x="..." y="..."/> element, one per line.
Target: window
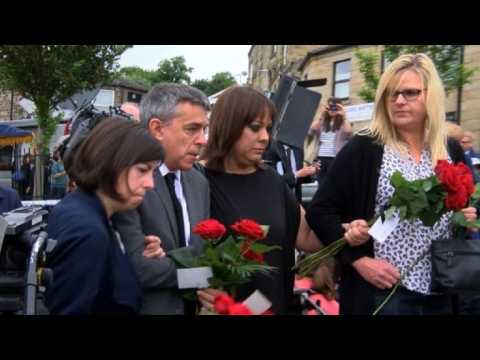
<point x="341" y="79"/>
<point x="104" y="99"/>
<point x="134" y="97"/>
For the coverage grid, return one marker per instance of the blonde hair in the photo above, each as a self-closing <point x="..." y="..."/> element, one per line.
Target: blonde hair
<point x="435" y="133"/>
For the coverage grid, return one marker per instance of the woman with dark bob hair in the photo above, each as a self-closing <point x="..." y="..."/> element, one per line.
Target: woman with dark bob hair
<point x="113" y="168"/>
<point x="242" y="187"/>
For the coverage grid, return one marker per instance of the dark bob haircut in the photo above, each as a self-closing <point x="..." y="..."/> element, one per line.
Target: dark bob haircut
<point x="113" y="146"/>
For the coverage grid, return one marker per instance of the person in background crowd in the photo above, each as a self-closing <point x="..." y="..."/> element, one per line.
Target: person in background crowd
<point x="330" y="133"/>
<point x="59" y="177"/>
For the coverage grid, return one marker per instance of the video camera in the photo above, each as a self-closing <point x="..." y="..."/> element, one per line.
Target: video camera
<point x="23" y="248"/>
<point x="85" y="118"/>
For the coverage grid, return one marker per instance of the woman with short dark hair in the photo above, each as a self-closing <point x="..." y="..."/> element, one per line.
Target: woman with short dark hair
<point x="113" y="169"/>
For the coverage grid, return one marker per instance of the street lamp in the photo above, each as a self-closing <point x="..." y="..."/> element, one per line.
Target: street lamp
<point x="243" y="73"/>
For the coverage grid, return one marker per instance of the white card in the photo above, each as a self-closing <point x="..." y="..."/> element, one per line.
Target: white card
<point x="380" y="231"/>
<point x="194" y="278"/>
<point x="257" y="303"/>
<point x="3" y="229"/>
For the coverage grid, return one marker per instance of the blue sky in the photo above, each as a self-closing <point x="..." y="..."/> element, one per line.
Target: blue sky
<point x="205" y="59"/>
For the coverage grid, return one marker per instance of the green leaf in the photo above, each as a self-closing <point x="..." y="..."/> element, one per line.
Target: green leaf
<point x="403" y="212"/>
<point x="427" y="185"/>
<point x="428" y="218"/>
<point x="183" y="257"/>
<point x="397" y="179"/>
<point x="262" y="248"/>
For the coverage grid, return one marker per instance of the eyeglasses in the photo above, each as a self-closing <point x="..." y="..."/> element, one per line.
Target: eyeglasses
<point x="407" y="94"/>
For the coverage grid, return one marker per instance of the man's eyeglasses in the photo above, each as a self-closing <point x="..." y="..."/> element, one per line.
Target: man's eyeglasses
<point x="408" y="94"/>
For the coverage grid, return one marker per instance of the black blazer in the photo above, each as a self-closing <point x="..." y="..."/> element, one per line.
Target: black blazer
<point x="348" y="193"/>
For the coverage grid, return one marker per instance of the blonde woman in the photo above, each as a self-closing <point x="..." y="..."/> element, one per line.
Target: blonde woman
<point x="407" y="134"/>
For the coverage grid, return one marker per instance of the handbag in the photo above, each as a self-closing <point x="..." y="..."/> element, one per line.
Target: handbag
<point x="455" y="265"/>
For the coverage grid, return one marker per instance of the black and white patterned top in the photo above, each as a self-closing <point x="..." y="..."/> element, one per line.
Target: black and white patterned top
<point x="410" y="239"/>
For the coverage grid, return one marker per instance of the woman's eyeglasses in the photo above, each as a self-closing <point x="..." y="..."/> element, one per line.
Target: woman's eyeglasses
<point x="407" y="94"/>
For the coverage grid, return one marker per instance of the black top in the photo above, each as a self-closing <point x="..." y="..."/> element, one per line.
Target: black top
<point x="348" y="193"/>
<point x="262" y="196"/>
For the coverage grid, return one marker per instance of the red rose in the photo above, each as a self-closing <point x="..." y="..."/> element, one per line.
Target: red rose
<point x="457" y="181"/>
<point x="254" y="256"/>
<point x="209" y="229"/>
<point x="239" y="309"/>
<point x="249" y="229"/>
<point x="268" y="312"/>
<point x="222" y="303"/>
<point x="466" y="177"/>
<point x="249" y="254"/>
<point x="456" y="201"/>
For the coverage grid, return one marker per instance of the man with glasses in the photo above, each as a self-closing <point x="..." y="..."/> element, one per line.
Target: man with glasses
<point x="176" y="115"/>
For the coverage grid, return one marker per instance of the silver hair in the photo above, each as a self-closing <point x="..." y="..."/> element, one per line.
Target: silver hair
<point x="162" y="100"/>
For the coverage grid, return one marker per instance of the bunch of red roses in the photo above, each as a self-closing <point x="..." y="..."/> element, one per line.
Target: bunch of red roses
<point x="213" y="230"/>
<point x="233" y="259"/>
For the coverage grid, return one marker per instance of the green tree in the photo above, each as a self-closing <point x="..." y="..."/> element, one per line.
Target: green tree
<point x="217" y="83"/>
<point x="50" y="74"/>
<point x="173" y="70"/>
<point x="136" y="74"/>
<point x="368" y="62"/>
<point x="445" y="57"/>
<point x="204" y="85"/>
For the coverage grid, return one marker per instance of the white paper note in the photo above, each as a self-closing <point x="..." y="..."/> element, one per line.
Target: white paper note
<point x="257" y="303"/>
<point x="194" y="278"/>
<point x="380" y="230"/>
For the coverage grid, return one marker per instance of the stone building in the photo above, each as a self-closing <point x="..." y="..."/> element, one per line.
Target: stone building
<point x="338" y="64"/>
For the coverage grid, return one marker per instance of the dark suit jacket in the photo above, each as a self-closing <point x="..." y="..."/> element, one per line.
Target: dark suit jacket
<point x="91" y="275"/>
<point x="276" y="153"/>
<point x="9" y="199"/>
<point x="156" y="216"/>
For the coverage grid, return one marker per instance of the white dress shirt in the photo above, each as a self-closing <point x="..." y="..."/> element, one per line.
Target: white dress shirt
<point x="164" y="170"/>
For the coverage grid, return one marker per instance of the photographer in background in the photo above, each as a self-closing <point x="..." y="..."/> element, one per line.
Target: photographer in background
<point x="330" y="133"/>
